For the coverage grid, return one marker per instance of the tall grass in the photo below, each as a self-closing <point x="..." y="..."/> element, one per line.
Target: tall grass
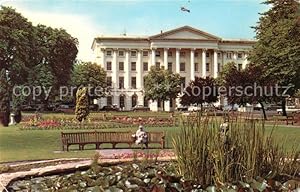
<point x="210" y="156"/>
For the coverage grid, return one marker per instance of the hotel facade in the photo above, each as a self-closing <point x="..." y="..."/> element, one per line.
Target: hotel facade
<point x="185" y="50"/>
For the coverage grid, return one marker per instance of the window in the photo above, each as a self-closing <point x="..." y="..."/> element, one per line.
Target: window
<point x="145" y="53"/>
<point x="133" y="53"/>
<point x="157" y="65"/>
<point x="121" y="82"/>
<point x="109" y="100"/>
<point x="134" y="100"/>
<point x="133" y="82"/>
<point x="182" y="66"/>
<point x="182" y="80"/>
<point x="157" y="53"/>
<point x="133" y="66"/>
<point x="196" y="66"/>
<point x="219" y="55"/>
<point x="229" y="55"/>
<point x="207" y="67"/>
<point x="108" y="66"/>
<point x="196" y="54"/>
<point x="146" y="102"/>
<point x="109" y="81"/>
<point x="122" y="101"/>
<point x="240" y="66"/>
<point x="240" y="55"/>
<point x="182" y="54"/>
<point x="121" y="66"/>
<point x="169" y="53"/>
<point x="170" y="66"/>
<point x="145" y="66"/>
<point x="121" y="53"/>
<point x="108" y="53"/>
<point x="171" y="103"/>
<point x="219" y="67"/>
<point x="207" y="54"/>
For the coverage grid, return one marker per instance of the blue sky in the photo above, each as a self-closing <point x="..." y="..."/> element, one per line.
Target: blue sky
<point x="86" y="19"/>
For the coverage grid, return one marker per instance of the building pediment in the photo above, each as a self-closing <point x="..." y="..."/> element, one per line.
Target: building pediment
<point x="185" y="32"/>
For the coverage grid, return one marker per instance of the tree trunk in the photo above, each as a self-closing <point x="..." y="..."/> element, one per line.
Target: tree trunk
<point x="263" y="109"/>
<point x="283" y="103"/>
<point x="163" y="105"/>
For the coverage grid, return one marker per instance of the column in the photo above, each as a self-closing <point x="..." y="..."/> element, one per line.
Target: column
<point x="139" y="69"/>
<point x="215" y="64"/>
<point x="127" y="70"/>
<point x="166" y="58"/>
<point x="177" y="61"/>
<point x="204" y="63"/>
<point x="245" y="62"/>
<point x="235" y="55"/>
<point x="153" y="57"/>
<point x="192" y="64"/>
<point x="102" y="58"/>
<point x="114" y="74"/>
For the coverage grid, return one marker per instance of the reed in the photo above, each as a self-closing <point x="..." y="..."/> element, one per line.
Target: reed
<point x="245" y="151"/>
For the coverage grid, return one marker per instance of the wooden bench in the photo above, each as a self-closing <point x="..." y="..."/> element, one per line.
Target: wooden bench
<point x="98" y="138"/>
<point x="289" y="119"/>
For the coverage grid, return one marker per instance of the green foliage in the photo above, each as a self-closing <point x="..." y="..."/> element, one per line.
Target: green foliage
<point x="241" y="152"/>
<point x="278" y="47"/>
<point x="161" y="84"/>
<point x="90" y="74"/>
<point x="35" y="55"/>
<point x="82" y="104"/>
<point x="200" y="91"/>
<point x="4" y="98"/>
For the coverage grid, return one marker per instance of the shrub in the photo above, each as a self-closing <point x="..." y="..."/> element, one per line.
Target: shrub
<point x="244" y="151"/>
<point x="82" y="104"/>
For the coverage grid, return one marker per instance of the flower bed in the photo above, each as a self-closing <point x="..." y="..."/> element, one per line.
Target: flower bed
<point x="36" y="123"/>
<point x="141" y="176"/>
<point x="151" y="121"/>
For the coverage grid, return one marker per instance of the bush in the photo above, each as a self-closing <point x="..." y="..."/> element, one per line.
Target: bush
<point x="82" y="104"/>
<point x="244" y="151"/>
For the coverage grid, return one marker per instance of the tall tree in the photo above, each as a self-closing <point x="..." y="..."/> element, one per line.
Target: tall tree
<point x="200" y="91"/>
<point x="14" y="44"/>
<point x="161" y="85"/>
<point x="4" y="98"/>
<point x="35" y="55"/>
<point x="277" y="50"/>
<point x="91" y="75"/>
<point x="246" y="86"/>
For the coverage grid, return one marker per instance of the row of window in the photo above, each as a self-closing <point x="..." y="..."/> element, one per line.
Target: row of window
<point x="134" y="99"/>
<point x="121" y="82"/>
<point x="182" y="68"/>
<point x="182" y="54"/>
<point x="157" y="64"/>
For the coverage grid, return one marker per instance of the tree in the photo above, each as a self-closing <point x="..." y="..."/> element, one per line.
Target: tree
<point x="14" y="45"/>
<point x="277" y="50"/>
<point x="161" y="85"/>
<point x="82" y="104"/>
<point x="35" y="55"/>
<point x="4" y="98"/>
<point x="91" y="75"/>
<point x="246" y="86"/>
<point x="200" y="91"/>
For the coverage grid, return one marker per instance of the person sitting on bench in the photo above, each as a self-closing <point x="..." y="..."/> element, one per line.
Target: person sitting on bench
<point x="141" y="137"/>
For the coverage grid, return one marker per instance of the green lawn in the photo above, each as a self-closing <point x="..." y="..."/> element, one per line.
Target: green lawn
<point x="17" y="145"/>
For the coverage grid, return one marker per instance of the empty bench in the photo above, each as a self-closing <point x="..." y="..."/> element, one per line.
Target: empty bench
<point x="84" y="138"/>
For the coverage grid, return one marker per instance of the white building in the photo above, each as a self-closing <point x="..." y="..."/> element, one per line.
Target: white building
<point x="185" y="50"/>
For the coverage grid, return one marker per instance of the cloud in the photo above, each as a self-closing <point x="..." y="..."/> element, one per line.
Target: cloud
<point x="79" y="26"/>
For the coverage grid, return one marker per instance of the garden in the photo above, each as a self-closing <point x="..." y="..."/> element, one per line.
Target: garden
<point x="248" y="156"/>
